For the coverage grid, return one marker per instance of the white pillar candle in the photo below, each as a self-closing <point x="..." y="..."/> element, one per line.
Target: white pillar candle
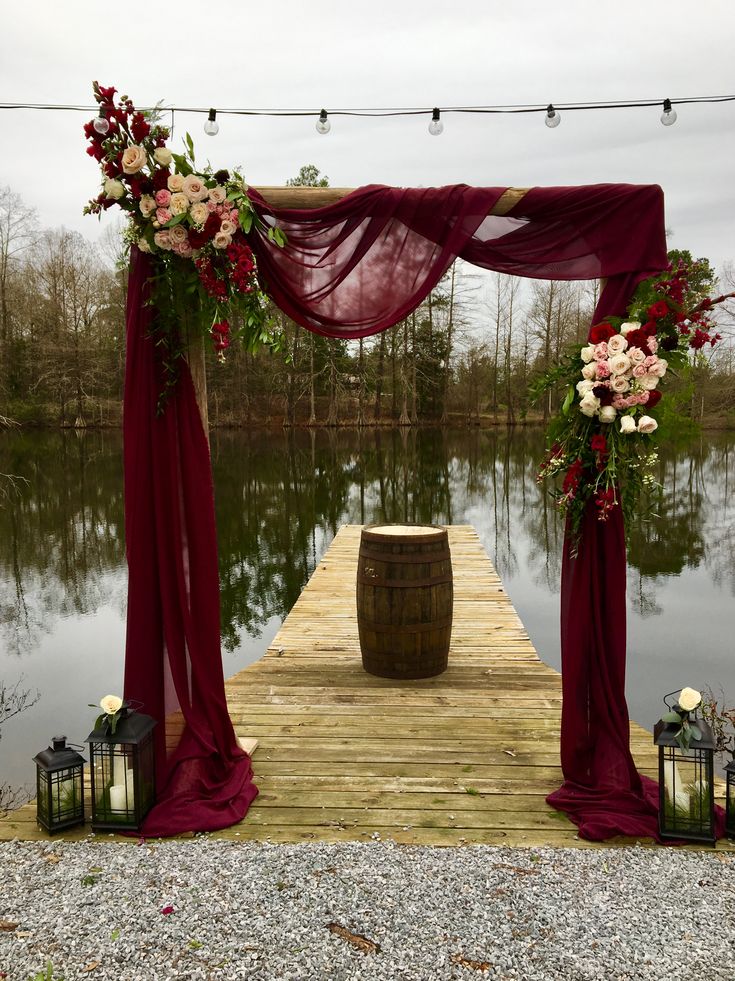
<point x="130" y="787"/>
<point x="117" y="797"/>
<point x="672" y="779"/>
<point x="118" y="770"/>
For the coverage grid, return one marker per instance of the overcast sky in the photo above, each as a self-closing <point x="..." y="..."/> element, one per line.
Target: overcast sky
<point x="273" y="55"/>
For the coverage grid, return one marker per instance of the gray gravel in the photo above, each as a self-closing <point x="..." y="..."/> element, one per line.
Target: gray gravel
<point x="245" y="910"/>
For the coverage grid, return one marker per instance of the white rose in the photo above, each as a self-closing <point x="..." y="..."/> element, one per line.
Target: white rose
<point x="221" y="241"/>
<point x="608" y="413"/>
<point x="163" y="239"/>
<point x="179" y="204"/>
<point x="114" y="189"/>
<point x="626" y="328"/>
<point x="647" y="425"/>
<point x="199" y="213"/>
<point x="636" y="355"/>
<point x="217" y="194"/>
<point x="589" y="404"/>
<point x="659" y="369"/>
<point x="587" y="353"/>
<point x="194" y="188"/>
<point x="619" y="383"/>
<point x="178" y="235"/>
<point x="689" y="699"/>
<point x="228" y="227"/>
<point x="585" y="386"/>
<point x="134" y="158"/>
<point x="162" y="155"/>
<point x="110" y="704"/>
<point x="143" y="245"/>
<point x="616" y="344"/>
<point x="648" y="382"/>
<point x="619" y="364"/>
<point x="627" y="424"/>
<point x="175" y="183"/>
<point x="590" y="370"/>
<point x="147" y="205"/>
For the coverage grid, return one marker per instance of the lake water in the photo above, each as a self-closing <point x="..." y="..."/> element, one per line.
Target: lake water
<point x="281" y="498"/>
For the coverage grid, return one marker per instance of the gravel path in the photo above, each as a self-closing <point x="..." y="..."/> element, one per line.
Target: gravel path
<point x="218" y="909"/>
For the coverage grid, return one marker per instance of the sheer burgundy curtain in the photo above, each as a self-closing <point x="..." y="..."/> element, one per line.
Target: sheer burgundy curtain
<point x="350" y="270"/>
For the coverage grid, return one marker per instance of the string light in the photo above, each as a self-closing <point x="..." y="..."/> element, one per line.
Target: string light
<point x="668" y="116"/>
<point x="101" y="123"/>
<point x="436" y="126"/>
<point x="323" y="125"/>
<point x="553" y="118"/>
<point x="211" y="127"/>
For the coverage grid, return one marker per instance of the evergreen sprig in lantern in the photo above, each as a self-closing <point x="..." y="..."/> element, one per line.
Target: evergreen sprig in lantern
<point x="59" y="786"/>
<point x="685" y="771"/>
<point x="122" y="767"/>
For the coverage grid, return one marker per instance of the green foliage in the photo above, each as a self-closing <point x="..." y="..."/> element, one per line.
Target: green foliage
<point x="47" y="974"/>
<point x="308" y="176"/>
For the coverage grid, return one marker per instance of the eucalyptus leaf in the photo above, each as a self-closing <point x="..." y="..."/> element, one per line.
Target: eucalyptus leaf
<point x="673" y="717"/>
<point x="695" y="733"/>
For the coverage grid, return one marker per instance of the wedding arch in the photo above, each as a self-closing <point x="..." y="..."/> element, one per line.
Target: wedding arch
<point x="350" y="269"/>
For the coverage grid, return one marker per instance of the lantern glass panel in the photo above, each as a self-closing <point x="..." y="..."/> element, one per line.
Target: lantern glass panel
<point x="59" y="786"/>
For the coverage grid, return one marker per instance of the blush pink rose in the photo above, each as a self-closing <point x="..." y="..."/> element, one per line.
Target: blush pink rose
<point x="639" y="371"/>
<point x="603" y="369"/>
<point x="163" y="215"/>
<point x="163" y="198"/>
<point x="600" y="351"/>
<point x="616" y="344"/>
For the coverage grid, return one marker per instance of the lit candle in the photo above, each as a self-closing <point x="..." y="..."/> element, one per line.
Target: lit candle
<point x="117" y="797"/>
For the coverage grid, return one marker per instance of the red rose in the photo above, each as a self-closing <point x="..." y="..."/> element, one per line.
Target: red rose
<point x="649" y="328"/>
<point x="598" y="443"/>
<point x="160" y="179"/>
<point x="654" y="397"/>
<point x="601" y="332"/>
<point x="96" y="151"/>
<point x="107" y="94"/>
<point x="636" y="338"/>
<point x="139" y="127"/>
<point x="658" y="309"/>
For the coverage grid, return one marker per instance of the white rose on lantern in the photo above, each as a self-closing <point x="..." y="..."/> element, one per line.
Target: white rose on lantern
<point x="689" y="699"/>
<point x="646" y="424"/>
<point x="134" y="158"/>
<point x="590" y="370"/>
<point x="631" y="325"/>
<point x="616" y="344"/>
<point x="111" y="704"/>
<point x="627" y="424"/>
<point x="587" y="353"/>
<point x="608" y="413"/>
<point x="619" y="363"/>
<point x="589" y="404"/>
<point x="114" y="189"/>
<point x="162" y="155"/>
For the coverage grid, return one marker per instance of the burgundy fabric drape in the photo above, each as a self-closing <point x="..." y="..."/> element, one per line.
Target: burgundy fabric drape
<point x="173" y="664"/>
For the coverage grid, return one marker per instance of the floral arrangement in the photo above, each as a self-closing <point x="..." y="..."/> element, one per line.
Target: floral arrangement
<point x="602" y="449"/>
<point x="194" y="222"/>
<point x="721" y="719"/>
<point x="687" y="703"/>
<point x="113" y="709"/>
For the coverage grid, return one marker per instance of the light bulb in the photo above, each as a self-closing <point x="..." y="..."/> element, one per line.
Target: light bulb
<point x="211" y="127"/>
<point x="323" y="125"/>
<point x="668" y="116"/>
<point x="101" y="125"/>
<point x="436" y="126"/>
<point x="553" y="118"/>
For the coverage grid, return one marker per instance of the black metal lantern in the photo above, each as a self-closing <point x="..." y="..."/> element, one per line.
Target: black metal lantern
<point x="122" y="767"/>
<point x="686" y="783"/>
<point x="59" y="786"/>
<point x="730" y="799"/>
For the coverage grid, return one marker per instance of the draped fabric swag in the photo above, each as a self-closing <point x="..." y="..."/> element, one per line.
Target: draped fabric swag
<point x="350" y="270"/>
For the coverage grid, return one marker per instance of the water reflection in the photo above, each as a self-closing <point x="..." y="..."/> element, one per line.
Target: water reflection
<point x="281" y="498"/>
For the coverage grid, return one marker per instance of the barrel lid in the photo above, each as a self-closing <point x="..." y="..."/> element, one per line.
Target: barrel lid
<point x="415" y="532"/>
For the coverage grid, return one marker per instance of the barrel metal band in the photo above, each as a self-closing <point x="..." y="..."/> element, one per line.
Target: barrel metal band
<point x="415" y="558"/>
<point x="403" y="583"/>
<point x="401" y="629"/>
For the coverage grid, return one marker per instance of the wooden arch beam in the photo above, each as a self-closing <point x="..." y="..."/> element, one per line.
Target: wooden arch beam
<point x="320" y="197"/>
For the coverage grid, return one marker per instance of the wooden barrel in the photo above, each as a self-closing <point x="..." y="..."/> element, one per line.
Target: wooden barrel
<point x="404" y="600"/>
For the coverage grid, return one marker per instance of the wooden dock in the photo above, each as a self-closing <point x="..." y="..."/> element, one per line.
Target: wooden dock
<point x="467" y="757"/>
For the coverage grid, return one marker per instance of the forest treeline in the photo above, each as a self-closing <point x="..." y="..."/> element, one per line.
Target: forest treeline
<point x="467" y="355"/>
